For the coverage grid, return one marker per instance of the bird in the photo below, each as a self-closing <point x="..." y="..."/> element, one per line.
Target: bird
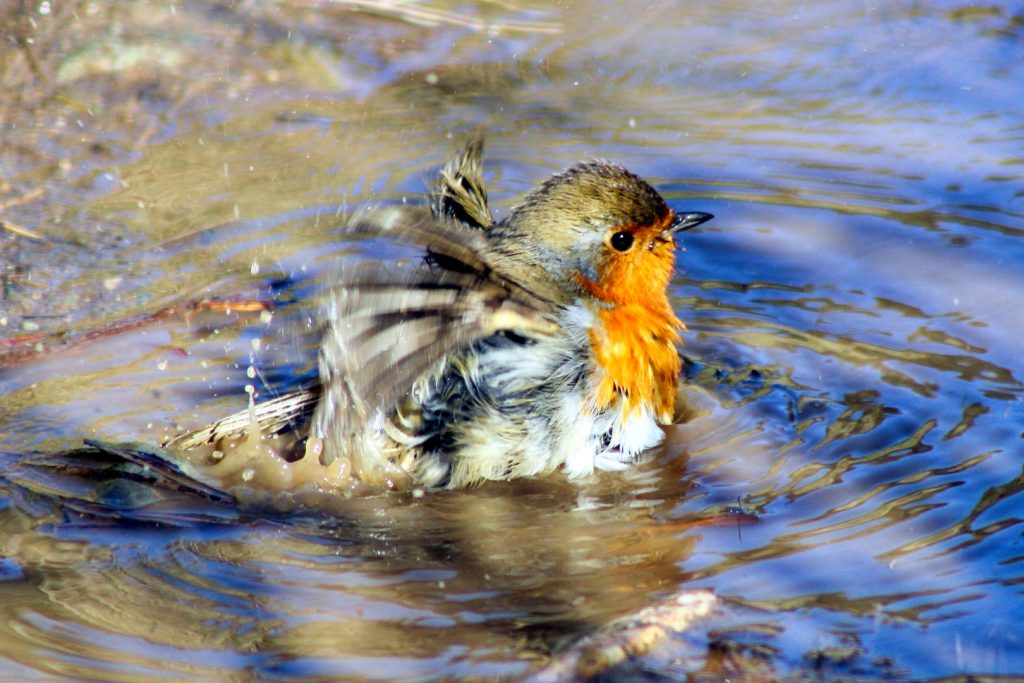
<point x="507" y="348"/>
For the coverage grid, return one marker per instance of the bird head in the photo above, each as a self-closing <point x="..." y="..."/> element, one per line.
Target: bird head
<point x="594" y="230"/>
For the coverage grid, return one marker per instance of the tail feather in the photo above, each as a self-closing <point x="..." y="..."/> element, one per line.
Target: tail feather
<point x="117" y="481"/>
<point x="272" y="417"/>
<point x="161" y="467"/>
<point x="459" y="193"/>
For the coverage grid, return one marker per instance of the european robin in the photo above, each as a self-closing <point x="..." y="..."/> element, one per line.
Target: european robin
<point x="541" y="341"/>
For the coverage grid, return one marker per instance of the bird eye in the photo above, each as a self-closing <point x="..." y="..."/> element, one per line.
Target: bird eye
<point x="622" y="241"/>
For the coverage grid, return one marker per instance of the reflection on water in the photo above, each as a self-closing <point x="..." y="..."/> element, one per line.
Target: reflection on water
<point x="846" y="474"/>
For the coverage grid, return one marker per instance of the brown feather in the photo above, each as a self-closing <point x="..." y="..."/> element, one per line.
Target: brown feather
<point x="389" y="328"/>
<point x="272" y="416"/>
<point x="459" y="193"/>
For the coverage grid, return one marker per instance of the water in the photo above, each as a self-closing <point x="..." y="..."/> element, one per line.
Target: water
<point x="848" y="477"/>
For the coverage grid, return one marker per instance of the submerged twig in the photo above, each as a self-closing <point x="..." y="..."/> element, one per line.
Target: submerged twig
<point x="30" y="196"/>
<point x="631" y="636"/>
<point x="19" y="230"/>
<point x="421" y="15"/>
<point x="13" y="227"/>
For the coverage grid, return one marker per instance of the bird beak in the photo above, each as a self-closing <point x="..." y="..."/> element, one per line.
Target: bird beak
<point x="685" y="221"/>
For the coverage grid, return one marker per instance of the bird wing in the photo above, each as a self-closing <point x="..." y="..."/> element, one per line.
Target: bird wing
<point x="390" y="328"/>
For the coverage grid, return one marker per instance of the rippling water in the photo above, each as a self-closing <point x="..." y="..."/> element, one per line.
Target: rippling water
<point x="847" y="477"/>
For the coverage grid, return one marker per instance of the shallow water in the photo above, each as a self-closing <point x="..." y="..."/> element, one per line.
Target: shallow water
<point x="848" y="476"/>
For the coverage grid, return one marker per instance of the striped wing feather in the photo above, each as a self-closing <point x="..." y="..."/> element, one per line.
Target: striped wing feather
<point x="389" y="328"/>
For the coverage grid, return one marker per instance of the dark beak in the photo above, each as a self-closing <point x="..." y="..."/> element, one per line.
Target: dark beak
<point x="685" y="221"/>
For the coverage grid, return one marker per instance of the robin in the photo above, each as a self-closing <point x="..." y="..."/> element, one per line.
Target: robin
<point x="513" y="348"/>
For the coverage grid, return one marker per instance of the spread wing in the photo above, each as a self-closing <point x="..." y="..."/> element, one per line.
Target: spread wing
<point x="389" y="328"/>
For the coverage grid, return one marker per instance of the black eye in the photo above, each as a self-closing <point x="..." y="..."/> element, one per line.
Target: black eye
<point x="622" y="241"/>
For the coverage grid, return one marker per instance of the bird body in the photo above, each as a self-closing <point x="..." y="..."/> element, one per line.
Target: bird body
<point x="504" y="409"/>
<point x="542" y="341"/>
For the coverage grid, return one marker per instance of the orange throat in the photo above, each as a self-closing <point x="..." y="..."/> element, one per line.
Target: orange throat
<point x="635" y="349"/>
<point x="634" y="342"/>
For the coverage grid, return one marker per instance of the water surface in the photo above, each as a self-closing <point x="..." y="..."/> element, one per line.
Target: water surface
<point x="848" y="473"/>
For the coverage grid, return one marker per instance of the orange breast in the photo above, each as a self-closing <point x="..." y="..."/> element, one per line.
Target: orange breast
<point x="635" y="346"/>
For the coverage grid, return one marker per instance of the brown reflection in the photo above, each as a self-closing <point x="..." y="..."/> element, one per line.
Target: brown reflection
<point x="970" y="414"/>
<point x="761" y="333"/>
<point x="78" y="610"/>
<point x="509" y="571"/>
<point x="863" y="413"/>
<point x="967" y="526"/>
